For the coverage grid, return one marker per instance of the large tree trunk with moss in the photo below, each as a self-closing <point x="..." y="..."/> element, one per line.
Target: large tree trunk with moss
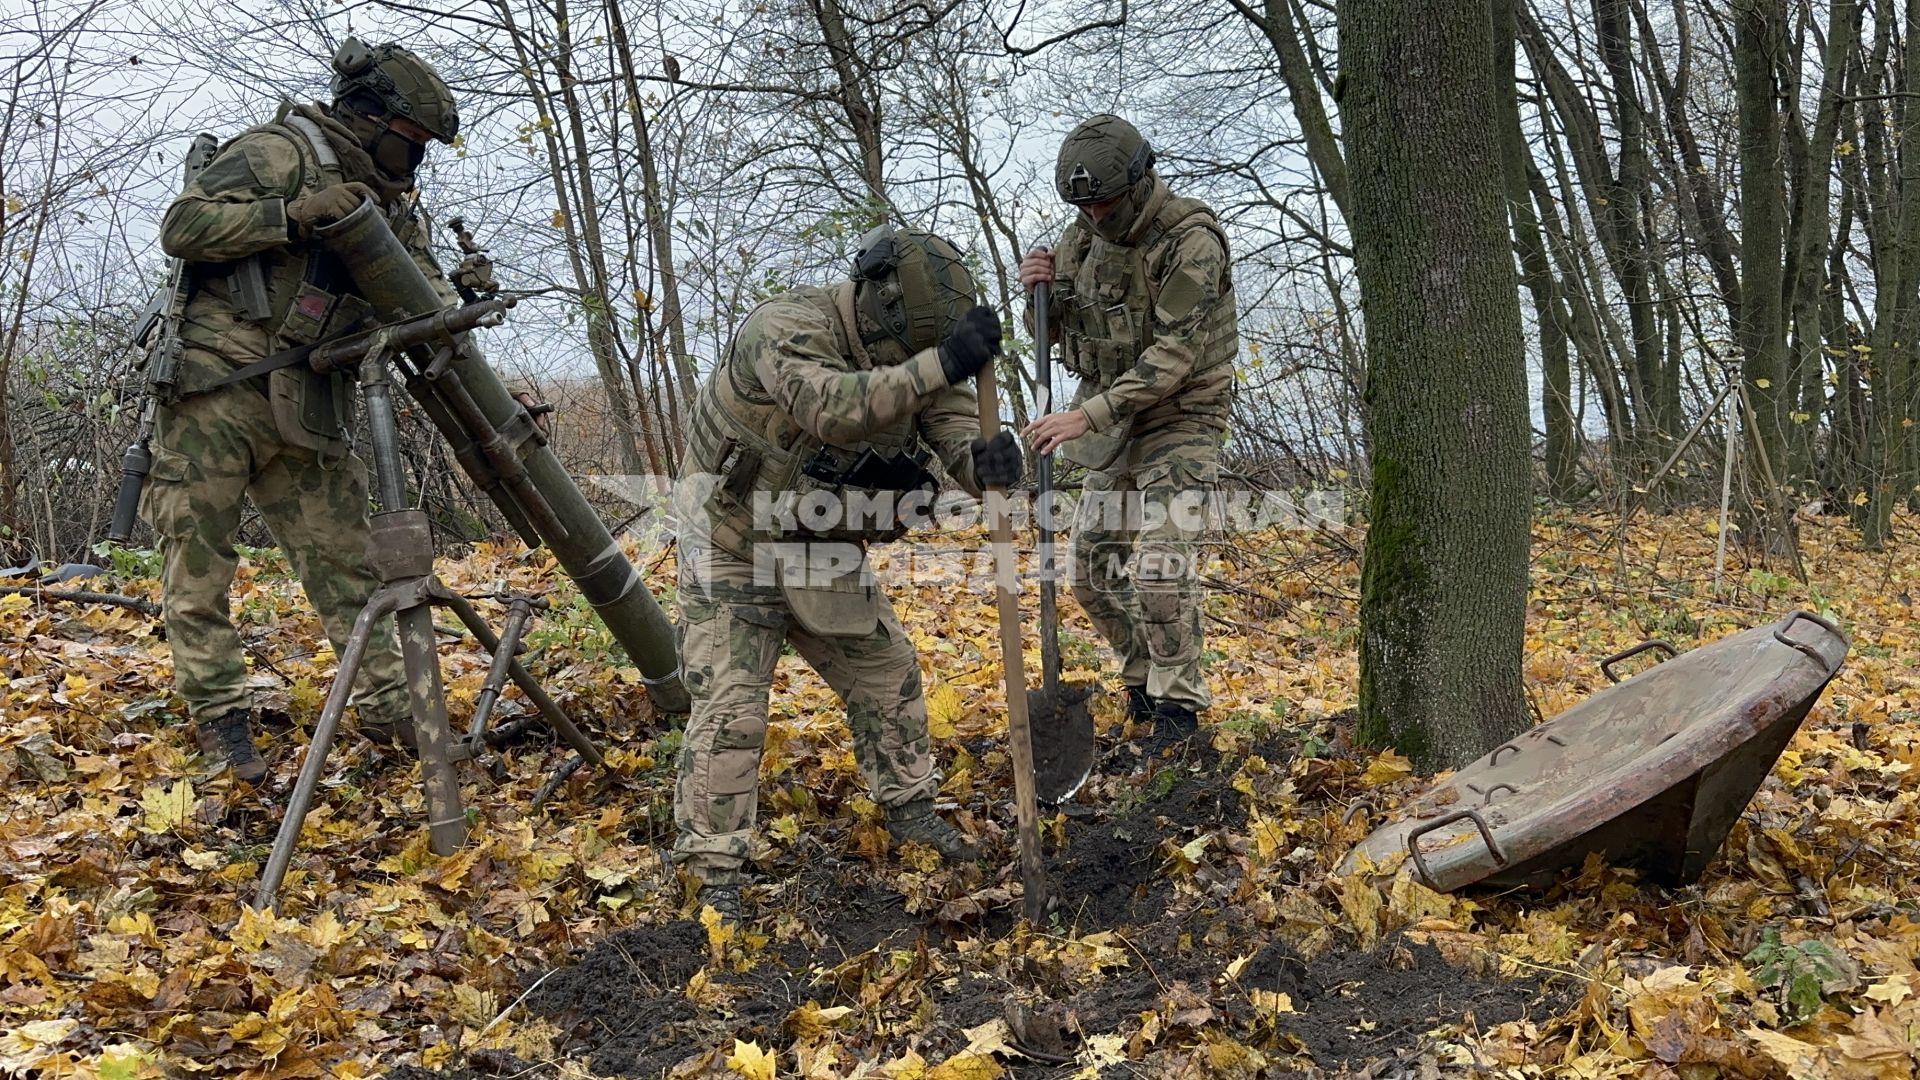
<point x="1444" y="579"/>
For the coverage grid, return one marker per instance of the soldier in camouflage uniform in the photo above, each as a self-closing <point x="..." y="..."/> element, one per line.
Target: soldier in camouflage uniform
<point x="260" y="283"/>
<point x="827" y="398"/>
<point x="1142" y="306"/>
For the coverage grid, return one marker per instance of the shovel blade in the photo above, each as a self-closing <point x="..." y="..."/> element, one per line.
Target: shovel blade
<point x="1063" y="742"/>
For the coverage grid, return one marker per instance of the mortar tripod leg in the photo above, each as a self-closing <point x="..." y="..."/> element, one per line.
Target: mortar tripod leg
<point x="446" y="815"/>
<point x="378" y="607"/>
<point x="517" y="615"/>
<point x="530" y="686"/>
<point x="402" y="554"/>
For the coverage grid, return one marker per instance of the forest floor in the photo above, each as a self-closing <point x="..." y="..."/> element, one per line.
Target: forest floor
<point x="1202" y="930"/>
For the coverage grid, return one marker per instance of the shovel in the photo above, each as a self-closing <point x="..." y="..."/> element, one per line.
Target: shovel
<point x="1033" y="871"/>
<point x="1061" y="722"/>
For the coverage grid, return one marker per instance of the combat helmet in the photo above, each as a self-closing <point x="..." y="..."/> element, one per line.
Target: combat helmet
<point x="911" y="286"/>
<point x="400" y="81"/>
<point x="1102" y="158"/>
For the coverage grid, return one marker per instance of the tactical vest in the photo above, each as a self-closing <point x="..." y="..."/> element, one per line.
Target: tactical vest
<point x="762" y="463"/>
<point x="1106" y="301"/>
<point x="308" y="297"/>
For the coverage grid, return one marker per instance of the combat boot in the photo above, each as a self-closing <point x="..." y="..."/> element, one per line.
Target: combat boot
<point x="230" y="736"/>
<point x="916" y="821"/>
<point x="720" y="890"/>
<point x="1139" y="705"/>
<point x="1173" y="724"/>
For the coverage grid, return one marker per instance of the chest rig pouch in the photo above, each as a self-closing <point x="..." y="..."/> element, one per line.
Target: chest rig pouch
<point x="302" y="294"/>
<point x="1105" y="311"/>
<point x="1105" y="315"/>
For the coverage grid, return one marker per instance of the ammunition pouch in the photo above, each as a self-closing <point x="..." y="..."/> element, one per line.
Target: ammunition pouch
<point x="315" y="314"/>
<point x="164" y="353"/>
<point x="1108" y="309"/>
<point x="847" y="606"/>
<point x="870" y="487"/>
<point x="315" y="411"/>
<point x="1104" y="308"/>
<point x="905" y="471"/>
<point x="312" y="411"/>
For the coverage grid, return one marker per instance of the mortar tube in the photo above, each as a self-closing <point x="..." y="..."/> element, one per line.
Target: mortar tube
<point x="386" y="276"/>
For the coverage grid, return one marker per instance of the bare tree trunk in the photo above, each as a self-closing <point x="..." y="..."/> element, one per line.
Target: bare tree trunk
<point x="1629" y="205"/>
<point x="1275" y="20"/>
<point x="1847" y="419"/>
<point x="1583" y="323"/>
<point x="1444" y="579"/>
<point x="1808" y="242"/>
<point x="1897" y="266"/>
<point x="589" y="278"/>
<point x="1705" y="200"/>
<point x="1615" y="202"/>
<point x="1556" y="383"/>
<point x="1759" y="33"/>
<point x="857" y="102"/>
<point x="657" y="225"/>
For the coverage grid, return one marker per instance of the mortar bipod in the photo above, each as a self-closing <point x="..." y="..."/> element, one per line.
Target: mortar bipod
<point x="473" y="746"/>
<point x="401" y="555"/>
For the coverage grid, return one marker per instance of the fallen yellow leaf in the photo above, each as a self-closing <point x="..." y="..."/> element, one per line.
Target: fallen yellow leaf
<point x="750" y="1061"/>
<point x="166" y="807"/>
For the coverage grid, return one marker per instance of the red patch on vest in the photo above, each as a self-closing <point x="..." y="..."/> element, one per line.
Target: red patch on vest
<point x="313" y="306"/>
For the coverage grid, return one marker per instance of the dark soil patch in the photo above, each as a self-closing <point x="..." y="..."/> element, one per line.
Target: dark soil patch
<point x="1116" y="1005"/>
<point x="1105" y="877"/>
<point x="854" y="914"/>
<point x="624" y="1006"/>
<point x="624" y="1000"/>
<point x="481" y="1065"/>
<point x="1356" y="1007"/>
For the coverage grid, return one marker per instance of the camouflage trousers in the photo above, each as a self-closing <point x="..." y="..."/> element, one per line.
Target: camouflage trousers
<point x="210" y="453"/>
<point x="735" y="628"/>
<point x="1132" y="559"/>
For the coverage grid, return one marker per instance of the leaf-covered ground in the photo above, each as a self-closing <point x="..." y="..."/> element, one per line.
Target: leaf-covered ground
<point x="1200" y="930"/>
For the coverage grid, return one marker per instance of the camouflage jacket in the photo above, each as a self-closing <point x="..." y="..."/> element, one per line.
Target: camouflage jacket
<point x="1149" y="324"/>
<point x="796" y="386"/>
<point x="237" y="208"/>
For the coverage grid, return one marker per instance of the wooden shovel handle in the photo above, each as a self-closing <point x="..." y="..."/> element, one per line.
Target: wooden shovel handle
<point x="1026" y="805"/>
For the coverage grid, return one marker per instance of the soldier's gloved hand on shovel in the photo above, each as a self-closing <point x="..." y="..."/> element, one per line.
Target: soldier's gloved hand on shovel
<point x="996" y="461"/>
<point x="324" y="207"/>
<point x="972" y="342"/>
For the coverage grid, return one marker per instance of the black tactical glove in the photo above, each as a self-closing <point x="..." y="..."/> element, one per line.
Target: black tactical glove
<point x="974" y="341"/>
<point x="326" y="206"/>
<point x="996" y="461"/>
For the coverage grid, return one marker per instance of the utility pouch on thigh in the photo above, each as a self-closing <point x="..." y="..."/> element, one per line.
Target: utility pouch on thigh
<point x="1098" y="450"/>
<point x="848" y="606"/>
<point x="312" y="411"/>
<point x="167" y="502"/>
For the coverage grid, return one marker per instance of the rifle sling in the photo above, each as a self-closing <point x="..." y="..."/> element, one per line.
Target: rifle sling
<point x="273" y="362"/>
